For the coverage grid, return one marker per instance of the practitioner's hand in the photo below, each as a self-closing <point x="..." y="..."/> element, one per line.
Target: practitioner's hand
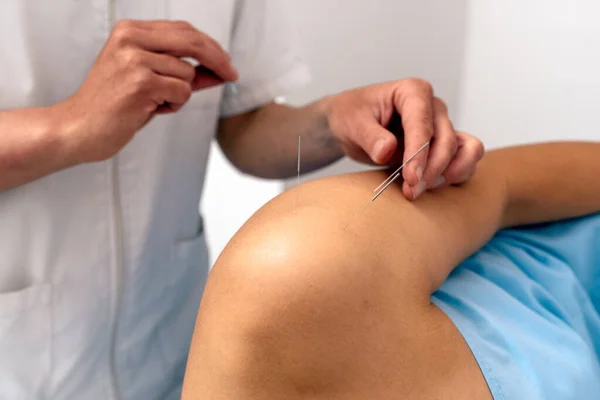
<point x="139" y="73"/>
<point x="358" y="119"/>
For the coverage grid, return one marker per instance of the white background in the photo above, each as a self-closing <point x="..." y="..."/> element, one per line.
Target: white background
<point x="511" y="71"/>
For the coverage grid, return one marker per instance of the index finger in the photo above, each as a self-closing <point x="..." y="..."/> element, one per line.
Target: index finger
<point x="415" y="105"/>
<point x="180" y="39"/>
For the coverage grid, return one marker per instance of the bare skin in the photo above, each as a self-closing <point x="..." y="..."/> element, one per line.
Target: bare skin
<point x="297" y="307"/>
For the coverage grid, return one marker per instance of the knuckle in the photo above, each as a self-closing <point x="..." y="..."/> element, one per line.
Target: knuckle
<point x="473" y="144"/>
<point x="142" y="80"/>
<point x="195" y="38"/>
<point x="479" y="149"/>
<point x="196" y="44"/>
<point x="440" y="105"/>
<point x="426" y="88"/>
<point x="183" y="25"/>
<point x="185" y="92"/>
<point x="200" y="42"/>
<point x="131" y="58"/>
<point x="216" y="45"/>
<point x="189" y="72"/>
<point x="421" y="85"/>
<point x="124" y="24"/>
<point x="123" y="31"/>
<point x="120" y="37"/>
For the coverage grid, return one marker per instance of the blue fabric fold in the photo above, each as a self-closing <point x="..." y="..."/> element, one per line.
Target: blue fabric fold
<point x="528" y="305"/>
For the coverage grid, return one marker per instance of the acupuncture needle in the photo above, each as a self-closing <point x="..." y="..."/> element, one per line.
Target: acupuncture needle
<point x="393" y="175"/>
<point x="298" y="169"/>
<point x="386" y="183"/>
<point x="233" y="91"/>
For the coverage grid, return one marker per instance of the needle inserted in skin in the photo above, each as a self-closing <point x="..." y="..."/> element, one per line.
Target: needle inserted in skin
<point x="298" y="180"/>
<point x="357" y="214"/>
<point x="385" y="185"/>
<point x="393" y="175"/>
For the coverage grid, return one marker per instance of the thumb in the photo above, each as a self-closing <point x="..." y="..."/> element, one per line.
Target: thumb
<point x="379" y="143"/>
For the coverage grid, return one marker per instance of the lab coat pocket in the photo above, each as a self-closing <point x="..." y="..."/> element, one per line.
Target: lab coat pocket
<point x="25" y="337"/>
<point x="188" y="276"/>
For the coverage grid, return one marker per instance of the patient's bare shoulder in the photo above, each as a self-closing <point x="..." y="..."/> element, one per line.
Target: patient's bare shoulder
<point x="303" y="234"/>
<point x="332" y="221"/>
<point x="295" y="252"/>
<point x="296" y="305"/>
<point x="290" y="274"/>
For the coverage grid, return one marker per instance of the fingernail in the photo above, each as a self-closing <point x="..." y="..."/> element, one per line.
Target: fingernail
<point x="438" y="182"/>
<point x="419" y="172"/>
<point x="418" y="189"/>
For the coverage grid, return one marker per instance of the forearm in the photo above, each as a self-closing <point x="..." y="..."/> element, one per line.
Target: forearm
<point x="513" y="186"/>
<point x="548" y="182"/>
<point x="265" y="142"/>
<point x="29" y="146"/>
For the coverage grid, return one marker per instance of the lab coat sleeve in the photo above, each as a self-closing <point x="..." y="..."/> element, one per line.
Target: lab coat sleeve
<point x="266" y="51"/>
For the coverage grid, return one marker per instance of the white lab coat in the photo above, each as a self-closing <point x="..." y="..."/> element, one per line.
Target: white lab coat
<point x="102" y="265"/>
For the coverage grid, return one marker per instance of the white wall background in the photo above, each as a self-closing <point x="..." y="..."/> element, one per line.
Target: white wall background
<point x="511" y="71"/>
<point x="229" y="199"/>
<point x="531" y="71"/>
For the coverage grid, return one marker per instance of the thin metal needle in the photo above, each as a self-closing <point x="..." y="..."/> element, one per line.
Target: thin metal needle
<point x="357" y="214"/>
<point x="385" y="185"/>
<point x="392" y="176"/>
<point x="298" y="180"/>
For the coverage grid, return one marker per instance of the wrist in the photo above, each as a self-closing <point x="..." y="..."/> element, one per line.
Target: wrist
<point x="62" y="129"/>
<point x="323" y="128"/>
<point x="39" y="146"/>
